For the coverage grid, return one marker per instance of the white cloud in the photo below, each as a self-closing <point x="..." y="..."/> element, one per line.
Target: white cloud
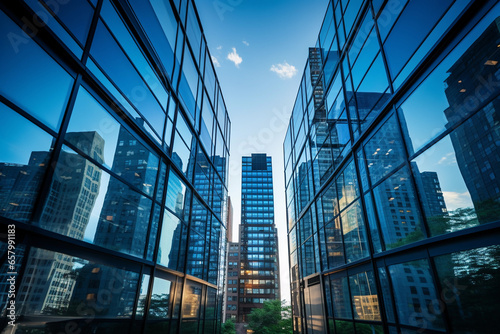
<point x="455" y="200"/>
<point x="246" y="43"/>
<point x="215" y="61"/>
<point x="448" y="159"/>
<point x="284" y="70"/>
<point x="219" y="47"/>
<point x="235" y="58"/>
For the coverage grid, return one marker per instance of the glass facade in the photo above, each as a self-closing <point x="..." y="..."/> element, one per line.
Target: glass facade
<point x="113" y="168"/>
<point x="258" y="255"/>
<point x="392" y="170"/>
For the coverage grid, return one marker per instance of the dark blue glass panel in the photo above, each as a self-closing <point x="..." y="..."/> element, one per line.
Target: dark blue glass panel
<point x="30" y="77"/>
<point x="25" y="151"/>
<point x="416" y="296"/>
<point x="384" y="151"/>
<point x="110" y="290"/>
<point x="398" y="210"/>
<point x="411" y="29"/>
<point x="470" y="278"/>
<point x="76" y="15"/>
<point x="170" y="240"/>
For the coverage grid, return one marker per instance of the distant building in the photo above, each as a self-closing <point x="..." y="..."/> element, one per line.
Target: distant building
<point x="259" y="266"/>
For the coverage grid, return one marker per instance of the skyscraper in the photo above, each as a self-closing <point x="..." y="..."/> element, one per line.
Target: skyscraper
<point x="259" y="266"/>
<point x="113" y="168"/>
<point x="391" y="170"/>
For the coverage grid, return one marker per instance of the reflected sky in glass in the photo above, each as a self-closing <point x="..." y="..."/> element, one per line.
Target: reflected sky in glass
<point x="31" y="78"/>
<point x="19" y="137"/>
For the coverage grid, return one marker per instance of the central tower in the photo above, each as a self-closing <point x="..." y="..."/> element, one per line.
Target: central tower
<point x="259" y="266"/>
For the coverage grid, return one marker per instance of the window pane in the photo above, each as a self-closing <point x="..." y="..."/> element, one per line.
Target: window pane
<point x="411" y="29"/>
<point x="364" y="296"/>
<point x="415" y="295"/>
<point x="98" y="208"/>
<point x="470" y="288"/>
<point x="177" y="196"/>
<point x="334" y="244"/>
<point x="94" y="131"/>
<point x="26" y="70"/>
<point x="143" y="295"/>
<point x="170" y="240"/>
<point x="353" y="229"/>
<point x="25" y="151"/>
<point x="398" y="211"/>
<point x="160" y="299"/>
<point x="59" y="285"/>
<point x="341" y="298"/>
<point x="384" y="151"/>
<point x="192" y="299"/>
<point x="76" y="15"/>
<point x="456" y="88"/>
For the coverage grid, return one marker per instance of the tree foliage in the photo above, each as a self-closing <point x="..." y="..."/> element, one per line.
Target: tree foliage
<point x="273" y="318"/>
<point x="228" y="327"/>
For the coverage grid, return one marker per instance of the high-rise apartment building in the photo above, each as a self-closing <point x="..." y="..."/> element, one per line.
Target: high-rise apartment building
<point x="392" y="170"/>
<point x="113" y="168"/>
<point x="258" y="254"/>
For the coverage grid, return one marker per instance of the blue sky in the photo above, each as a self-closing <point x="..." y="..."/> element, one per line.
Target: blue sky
<point x="248" y="39"/>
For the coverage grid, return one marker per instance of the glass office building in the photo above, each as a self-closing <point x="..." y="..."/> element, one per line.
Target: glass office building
<point x="259" y="266"/>
<point x="113" y="168"/>
<point x="392" y="170"/>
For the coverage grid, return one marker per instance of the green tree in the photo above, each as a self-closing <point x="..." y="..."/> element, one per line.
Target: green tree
<point x="228" y="327"/>
<point x="273" y="318"/>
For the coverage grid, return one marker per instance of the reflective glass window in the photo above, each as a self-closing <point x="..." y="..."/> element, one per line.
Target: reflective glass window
<point x="398" y="210"/>
<point x="456" y="88"/>
<point x="347" y="186"/>
<point x="48" y="15"/>
<point x="96" y="133"/>
<point x="178" y="196"/>
<point x="372" y="222"/>
<point x="354" y="232"/>
<point x="171" y="239"/>
<point x="161" y="28"/>
<point x="62" y="286"/>
<point x="25" y="150"/>
<point x="412" y="27"/>
<point x="76" y="15"/>
<point x="112" y="59"/>
<point x="143" y="295"/>
<point x="445" y="173"/>
<point x="191" y="300"/>
<point x="160" y="299"/>
<point x="386" y="294"/>
<point x="26" y="70"/>
<point x="415" y="295"/>
<point x="469" y="281"/>
<point x="341" y="298"/>
<point x="98" y="208"/>
<point x="131" y="48"/>
<point x="330" y="202"/>
<point x="334" y="244"/>
<point x="364" y="296"/>
<point x="384" y="151"/>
